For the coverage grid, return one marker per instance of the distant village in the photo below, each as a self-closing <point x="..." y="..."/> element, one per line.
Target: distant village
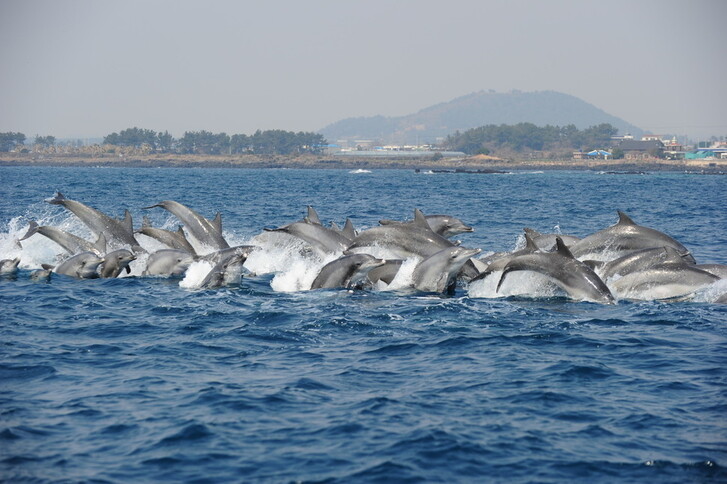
<point x="655" y="147"/>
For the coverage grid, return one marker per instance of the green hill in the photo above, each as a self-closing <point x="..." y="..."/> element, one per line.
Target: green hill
<point x="473" y="110"/>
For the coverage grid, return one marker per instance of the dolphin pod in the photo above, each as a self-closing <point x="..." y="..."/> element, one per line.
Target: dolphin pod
<point x="623" y="261"/>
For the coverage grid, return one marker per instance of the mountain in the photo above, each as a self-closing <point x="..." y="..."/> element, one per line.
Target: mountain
<point x="473" y="110"/>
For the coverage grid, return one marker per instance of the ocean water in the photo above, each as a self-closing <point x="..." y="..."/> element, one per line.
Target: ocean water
<point x="142" y="379"/>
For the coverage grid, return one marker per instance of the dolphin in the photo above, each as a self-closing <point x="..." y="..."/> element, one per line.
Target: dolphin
<point x="634" y="262"/>
<point x="115" y="262"/>
<point x="208" y="232"/>
<point x="438" y="272"/>
<point x="41" y="275"/>
<point x="665" y="281"/>
<point x="9" y="266"/>
<point x="404" y="240"/>
<point x="547" y="241"/>
<point x="168" y="262"/>
<point x="80" y="266"/>
<point x="444" y="225"/>
<point x="120" y="231"/>
<point x="70" y="243"/>
<point x="321" y="238"/>
<point x="568" y="273"/>
<point x="172" y="239"/>
<point x="223" y="254"/>
<point x="348" y="271"/>
<point x="624" y="237"/>
<point x="227" y="271"/>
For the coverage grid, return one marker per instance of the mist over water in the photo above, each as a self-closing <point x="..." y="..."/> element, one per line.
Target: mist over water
<point x="154" y="380"/>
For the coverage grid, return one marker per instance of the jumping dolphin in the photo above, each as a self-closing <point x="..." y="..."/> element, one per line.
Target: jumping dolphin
<point x="9" y="266"/>
<point x="568" y="273"/>
<point x="636" y="261"/>
<point x="121" y="232"/>
<point x="208" y="232"/>
<point x="404" y="240"/>
<point x="438" y="272"/>
<point x="624" y="237"/>
<point x="671" y="279"/>
<point x="70" y="243"/>
<point x="80" y="266"/>
<point x="547" y="241"/>
<point x="115" y="262"/>
<point x="499" y="262"/>
<point x="173" y="240"/>
<point x="168" y="262"/>
<point x="444" y="225"/>
<point x="223" y="254"/>
<point x="321" y="238"/>
<point x="227" y="271"/>
<point x="348" y="271"/>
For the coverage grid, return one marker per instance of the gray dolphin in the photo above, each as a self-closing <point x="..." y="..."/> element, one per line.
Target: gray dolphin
<point x="172" y="239"/>
<point x="168" y="262"/>
<point x="348" y="271"/>
<point x="120" y="231"/>
<point x="227" y="271"/>
<point x="321" y="238"/>
<point x="81" y="266"/>
<point x="70" y="243"/>
<point x="444" y="225"/>
<point x="624" y="237"/>
<point x="568" y="273"/>
<point x="208" y="232"/>
<point x="415" y="239"/>
<point x="9" y="266"/>
<point x="223" y="254"/>
<point x="638" y="260"/>
<point x="547" y="241"/>
<point x="41" y="275"/>
<point x="438" y="272"/>
<point x="663" y="282"/>
<point x="115" y="262"/>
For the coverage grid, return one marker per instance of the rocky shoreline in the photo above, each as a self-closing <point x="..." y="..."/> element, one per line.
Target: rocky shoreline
<point x="458" y="165"/>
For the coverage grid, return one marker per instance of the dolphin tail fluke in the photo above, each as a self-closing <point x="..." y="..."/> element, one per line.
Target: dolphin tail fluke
<point x="32" y="229"/>
<point x="57" y="199"/>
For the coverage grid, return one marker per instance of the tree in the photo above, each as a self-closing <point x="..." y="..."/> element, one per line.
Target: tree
<point x="9" y="141"/>
<point x="45" y="141"/>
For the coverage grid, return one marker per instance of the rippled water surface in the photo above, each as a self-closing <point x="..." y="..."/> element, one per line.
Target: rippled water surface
<point x="140" y="380"/>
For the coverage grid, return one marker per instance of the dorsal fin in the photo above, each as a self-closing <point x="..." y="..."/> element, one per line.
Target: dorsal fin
<point x="560" y="248"/>
<point x="420" y="220"/>
<point x="313" y="216"/>
<point x="531" y="232"/>
<point x="529" y="243"/>
<point x="127" y="223"/>
<point x="217" y="222"/>
<point x="348" y="231"/>
<point x="334" y="226"/>
<point x="100" y="244"/>
<point x="624" y="219"/>
<point x="673" y="256"/>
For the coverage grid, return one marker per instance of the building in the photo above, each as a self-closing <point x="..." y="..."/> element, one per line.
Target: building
<point x="640" y="149"/>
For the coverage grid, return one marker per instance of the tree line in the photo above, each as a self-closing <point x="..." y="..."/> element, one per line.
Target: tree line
<point x="529" y="137"/>
<point x="269" y="142"/>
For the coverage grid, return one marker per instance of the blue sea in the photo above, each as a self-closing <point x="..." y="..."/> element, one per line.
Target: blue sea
<point x="141" y="379"/>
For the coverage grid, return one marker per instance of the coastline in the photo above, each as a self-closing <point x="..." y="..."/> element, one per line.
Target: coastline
<point x="472" y="164"/>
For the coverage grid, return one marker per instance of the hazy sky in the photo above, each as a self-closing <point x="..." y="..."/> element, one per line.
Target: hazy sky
<point x="86" y="68"/>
